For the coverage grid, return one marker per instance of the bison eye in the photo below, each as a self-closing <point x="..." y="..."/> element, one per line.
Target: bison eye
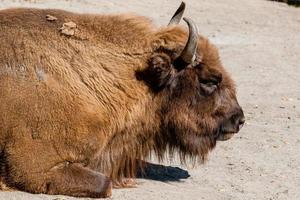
<point x="209" y="86"/>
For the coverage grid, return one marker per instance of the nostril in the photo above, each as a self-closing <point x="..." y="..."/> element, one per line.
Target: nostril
<point x="242" y="121"/>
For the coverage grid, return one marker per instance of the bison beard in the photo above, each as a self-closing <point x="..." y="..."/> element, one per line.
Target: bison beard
<point x="79" y="111"/>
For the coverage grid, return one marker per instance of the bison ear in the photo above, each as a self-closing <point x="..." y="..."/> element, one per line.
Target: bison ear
<point x="159" y="71"/>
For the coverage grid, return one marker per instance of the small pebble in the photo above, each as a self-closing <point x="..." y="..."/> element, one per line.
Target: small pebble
<point x="286" y="99"/>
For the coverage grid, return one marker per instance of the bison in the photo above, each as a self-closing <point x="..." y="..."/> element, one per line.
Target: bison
<point x="84" y="98"/>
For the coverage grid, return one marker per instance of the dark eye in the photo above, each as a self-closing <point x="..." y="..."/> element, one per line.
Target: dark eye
<point x="209" y="86"/>
<point x="211" y="83"/>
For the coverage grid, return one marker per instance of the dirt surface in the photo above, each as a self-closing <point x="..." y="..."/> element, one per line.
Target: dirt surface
<point x="259" y="44"/>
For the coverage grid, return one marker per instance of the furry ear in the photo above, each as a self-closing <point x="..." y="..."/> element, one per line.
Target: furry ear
<point x="159" y="71"/>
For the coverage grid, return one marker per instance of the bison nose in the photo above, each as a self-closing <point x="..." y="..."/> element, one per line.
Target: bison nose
<point x="235" y="122"/>
<point x="241" y="122"/>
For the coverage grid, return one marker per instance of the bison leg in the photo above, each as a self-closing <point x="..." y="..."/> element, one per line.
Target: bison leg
<point x="76" y="180"/>
<point x="71" y="180"/>
<point x="37" y="168"/>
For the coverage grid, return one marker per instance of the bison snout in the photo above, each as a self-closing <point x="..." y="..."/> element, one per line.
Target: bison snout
<point x="232" y="125"/>
<point x="235" y="123"/>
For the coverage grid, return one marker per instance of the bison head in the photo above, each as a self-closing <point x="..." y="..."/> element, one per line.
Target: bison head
<point x="197" y="96"/>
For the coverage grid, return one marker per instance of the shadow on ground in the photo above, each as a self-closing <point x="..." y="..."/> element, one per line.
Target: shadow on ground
<point x="162" y="173"/>
<point x="290" y="2"/>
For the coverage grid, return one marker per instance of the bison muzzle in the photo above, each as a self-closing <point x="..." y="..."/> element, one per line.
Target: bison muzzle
<point x="85" y="98"/>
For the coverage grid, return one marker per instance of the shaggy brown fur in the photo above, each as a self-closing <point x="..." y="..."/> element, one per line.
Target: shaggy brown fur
<point x="78" y="111"/>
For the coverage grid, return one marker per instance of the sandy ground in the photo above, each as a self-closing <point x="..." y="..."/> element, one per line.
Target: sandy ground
<point x="259" y="43"/>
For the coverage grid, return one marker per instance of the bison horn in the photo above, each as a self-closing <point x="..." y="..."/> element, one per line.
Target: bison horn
<point x="188" y="54"/>
<point x="178" y="14"/>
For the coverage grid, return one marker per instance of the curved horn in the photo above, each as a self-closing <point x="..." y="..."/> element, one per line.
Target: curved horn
<point x="177" y="15"/>
<point x="188" y="54"/>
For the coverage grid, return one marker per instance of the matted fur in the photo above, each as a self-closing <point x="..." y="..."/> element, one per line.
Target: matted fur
<point x="96" y="98"/>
